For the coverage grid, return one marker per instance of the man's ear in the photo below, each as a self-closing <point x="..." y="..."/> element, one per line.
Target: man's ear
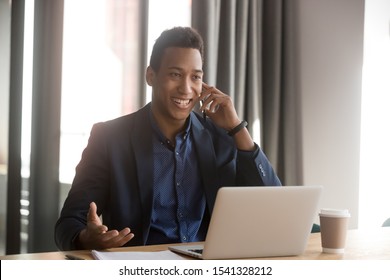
<point x="150" y="75"/>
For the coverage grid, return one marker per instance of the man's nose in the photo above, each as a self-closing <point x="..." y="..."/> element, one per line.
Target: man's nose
<point x="186" y="86"/>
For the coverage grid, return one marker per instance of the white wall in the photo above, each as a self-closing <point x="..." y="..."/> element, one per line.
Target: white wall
<point x="330" y="57"/>
<point x="374" y="189"/>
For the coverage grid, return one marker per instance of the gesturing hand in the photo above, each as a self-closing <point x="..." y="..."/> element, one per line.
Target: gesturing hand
<point x="97" y="236"/>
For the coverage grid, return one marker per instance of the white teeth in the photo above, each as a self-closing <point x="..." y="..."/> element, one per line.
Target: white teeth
<point x="181" y="101"/>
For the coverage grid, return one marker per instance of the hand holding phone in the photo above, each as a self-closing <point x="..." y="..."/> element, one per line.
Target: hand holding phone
<point x="218" y="106"/>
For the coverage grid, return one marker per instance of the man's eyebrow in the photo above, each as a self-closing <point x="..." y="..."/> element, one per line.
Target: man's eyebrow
<point x="181" y="69"/>
<point x="199" y="71"/>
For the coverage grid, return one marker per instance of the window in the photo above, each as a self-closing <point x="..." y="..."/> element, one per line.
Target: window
<point x="100" y="66"/>
<point x="100" y="49"/>
<point x="175" y="13"/>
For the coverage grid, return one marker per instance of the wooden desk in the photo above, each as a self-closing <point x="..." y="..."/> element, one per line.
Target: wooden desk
<point x="368" y="245"/>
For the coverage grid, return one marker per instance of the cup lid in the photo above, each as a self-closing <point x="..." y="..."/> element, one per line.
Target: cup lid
<point x="329" y="212"/>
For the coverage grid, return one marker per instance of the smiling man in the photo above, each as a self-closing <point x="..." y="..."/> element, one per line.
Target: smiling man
<point x="153" y="175"/>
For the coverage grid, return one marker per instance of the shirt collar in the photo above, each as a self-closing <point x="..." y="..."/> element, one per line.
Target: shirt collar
<point x="161" y="136"/>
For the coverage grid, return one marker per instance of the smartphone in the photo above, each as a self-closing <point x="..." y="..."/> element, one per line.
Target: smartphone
<point x="201" y="104"/>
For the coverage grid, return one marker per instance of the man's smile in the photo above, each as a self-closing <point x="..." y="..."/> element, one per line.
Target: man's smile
<point x="183" y="103"/>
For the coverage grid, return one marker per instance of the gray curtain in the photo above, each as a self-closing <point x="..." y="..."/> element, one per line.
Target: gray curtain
<point x="43" y="183"/>
<point x="250" y="55"/>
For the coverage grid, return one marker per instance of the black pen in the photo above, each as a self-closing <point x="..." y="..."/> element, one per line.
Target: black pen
<point x="71" y="257"/>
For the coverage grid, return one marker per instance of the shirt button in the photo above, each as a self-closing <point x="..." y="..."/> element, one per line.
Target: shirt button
<point x="184" y="238"/>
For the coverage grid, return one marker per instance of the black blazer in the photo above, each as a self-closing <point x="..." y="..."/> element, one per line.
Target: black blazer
<point x="116" y="172"/>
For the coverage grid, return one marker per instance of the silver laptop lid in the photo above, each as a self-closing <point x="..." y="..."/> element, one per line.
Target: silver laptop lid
<point x="249" y="222"/>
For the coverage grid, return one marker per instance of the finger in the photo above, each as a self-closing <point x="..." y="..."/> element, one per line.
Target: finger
<point x="112" y="234"/>
<point x="92" y="212"/>
<point x="213" y="101"/>
<point x="205" y="99"/>
<point x="206" y="90"/>
<point x="205" y="86"/>
<point x="116" y="239"/>
<point x="107" y="236"/>
<point x="98" y="229"/>
<point x="123" y="237"/>
<point x="93" y="221"/>
<point x="124" y="240"/>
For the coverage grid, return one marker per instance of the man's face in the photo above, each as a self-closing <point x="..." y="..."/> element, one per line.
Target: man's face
<point x="177" y="84"/>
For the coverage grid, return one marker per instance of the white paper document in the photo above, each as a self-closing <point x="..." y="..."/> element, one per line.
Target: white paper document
<point x="160" y="255"/>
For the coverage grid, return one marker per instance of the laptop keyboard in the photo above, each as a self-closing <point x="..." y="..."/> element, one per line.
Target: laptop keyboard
<point x="198" y="251"/>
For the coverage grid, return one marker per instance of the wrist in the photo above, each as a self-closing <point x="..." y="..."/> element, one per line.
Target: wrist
<point x="237" y="128"/>
<point x="77" y="241"/>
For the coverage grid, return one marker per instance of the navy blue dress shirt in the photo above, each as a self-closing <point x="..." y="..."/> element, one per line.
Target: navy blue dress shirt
<point x="178" y="199"/>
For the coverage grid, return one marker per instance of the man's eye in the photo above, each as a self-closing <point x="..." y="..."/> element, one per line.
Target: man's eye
<point x="196" y="77"/>
<point x="175" y="75"/>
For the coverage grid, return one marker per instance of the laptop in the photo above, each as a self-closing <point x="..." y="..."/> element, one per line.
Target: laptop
<point x="254" y="222"/>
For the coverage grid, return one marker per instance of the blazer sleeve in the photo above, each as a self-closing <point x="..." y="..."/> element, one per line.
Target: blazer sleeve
<point x="254" y="168"/>
<point x="89" y="185"/>
<point x="233" y="166"/>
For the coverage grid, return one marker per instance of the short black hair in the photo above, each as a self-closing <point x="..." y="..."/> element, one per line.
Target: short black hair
<point x="180" y="37"/>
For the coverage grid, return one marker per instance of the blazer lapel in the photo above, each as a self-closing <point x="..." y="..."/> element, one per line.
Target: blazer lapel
<point x="143" y="151"/>
<point x="207" y="161"/>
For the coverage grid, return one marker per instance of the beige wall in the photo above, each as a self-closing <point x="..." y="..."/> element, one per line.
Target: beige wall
<point x="5" y="25"/>
<point x="330" y="56"/>
<point x="5" y="18"/>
